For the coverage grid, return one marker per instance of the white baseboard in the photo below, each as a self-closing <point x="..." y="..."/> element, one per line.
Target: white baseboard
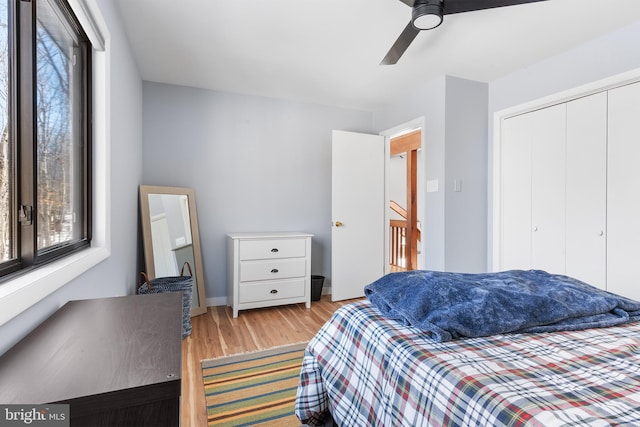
<point x="216" y="301"/>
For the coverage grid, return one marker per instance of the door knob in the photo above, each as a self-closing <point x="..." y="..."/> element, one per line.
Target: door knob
<point x="339" y="224"/>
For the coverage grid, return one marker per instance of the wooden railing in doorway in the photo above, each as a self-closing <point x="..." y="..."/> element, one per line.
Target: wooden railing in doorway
<point x="397" y="244"/>
<point x="404" y="243"/>
<point x="399" y="256"/>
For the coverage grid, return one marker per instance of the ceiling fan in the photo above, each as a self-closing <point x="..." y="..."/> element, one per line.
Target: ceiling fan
<point x="427" y="15"/>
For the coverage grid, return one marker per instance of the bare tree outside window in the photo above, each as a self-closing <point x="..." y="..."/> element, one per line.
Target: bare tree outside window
<point x="6" y="164"/>
<point x="57" y="162"/>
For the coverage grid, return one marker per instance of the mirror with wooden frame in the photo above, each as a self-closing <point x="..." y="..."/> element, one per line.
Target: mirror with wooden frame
<point x="171" y="237"/>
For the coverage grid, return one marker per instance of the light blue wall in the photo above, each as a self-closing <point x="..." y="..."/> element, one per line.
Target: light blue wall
<point x="606" y="56"/>
<point x="466" y="162"/>
<point x="455" y="144"/>
<point x="116" y="275"/>
<point x="255" y="163"/>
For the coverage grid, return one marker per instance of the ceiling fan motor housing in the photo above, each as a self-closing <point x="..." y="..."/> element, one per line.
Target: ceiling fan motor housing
<point x="427" y="14"/>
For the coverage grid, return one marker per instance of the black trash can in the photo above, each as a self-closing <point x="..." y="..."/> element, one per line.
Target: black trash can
<point x="316" y="287"/>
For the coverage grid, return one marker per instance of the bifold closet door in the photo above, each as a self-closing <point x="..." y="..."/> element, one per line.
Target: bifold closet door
<point x="586" y="194"/>
<point x="516" y="193"/>
<point x="548" y="157"/>
<point x="533" y="190"/>
<point x="623" y="191"/>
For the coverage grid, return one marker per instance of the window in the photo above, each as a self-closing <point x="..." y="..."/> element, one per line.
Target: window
<point x="45" y="140"/>
<point x="6" y="192"/>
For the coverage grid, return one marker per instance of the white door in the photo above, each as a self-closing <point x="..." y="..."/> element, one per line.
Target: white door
<point x="623" y="196"/>
<point x="533" y="190"/>
<point x="357" y="235"/>
<point x="548" y="166"/>
<point x="586" y="201"/>
<point x="516" y="193"/>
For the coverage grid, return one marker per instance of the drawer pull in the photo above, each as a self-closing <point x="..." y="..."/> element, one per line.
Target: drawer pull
<point x="275" y="270"/>
<point x="274" y="250"/>
<point x="274" y="291"/>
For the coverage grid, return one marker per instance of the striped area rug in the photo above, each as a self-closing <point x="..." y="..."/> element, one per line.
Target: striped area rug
<point x="257" y="388"/>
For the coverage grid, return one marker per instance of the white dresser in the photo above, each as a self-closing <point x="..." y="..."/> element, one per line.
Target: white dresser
<point x="266" y="269"/>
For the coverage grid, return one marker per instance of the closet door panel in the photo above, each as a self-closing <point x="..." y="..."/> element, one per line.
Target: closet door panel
<point x="623" y="191"/>
<point x="516" y="193"/>
<point x="586" y="189"/>
<point x="548" y="159"/>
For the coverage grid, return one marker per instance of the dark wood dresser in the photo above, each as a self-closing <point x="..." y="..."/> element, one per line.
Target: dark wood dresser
<point x="115" y="361"/>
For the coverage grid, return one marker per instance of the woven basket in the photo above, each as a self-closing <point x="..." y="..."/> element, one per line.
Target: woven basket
<point x="180" y="283"/>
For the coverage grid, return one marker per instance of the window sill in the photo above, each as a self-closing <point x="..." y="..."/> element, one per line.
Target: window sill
<point x="25" y="291"/>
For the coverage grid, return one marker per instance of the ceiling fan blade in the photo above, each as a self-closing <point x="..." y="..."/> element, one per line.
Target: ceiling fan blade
<point x="406" y="37"/>
<point x="459" y="6"/>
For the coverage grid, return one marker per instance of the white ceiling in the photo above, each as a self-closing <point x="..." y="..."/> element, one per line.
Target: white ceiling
<point x="328" y="51"/>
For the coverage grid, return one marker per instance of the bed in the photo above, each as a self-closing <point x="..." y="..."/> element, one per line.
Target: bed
<point x="365" y="369"/>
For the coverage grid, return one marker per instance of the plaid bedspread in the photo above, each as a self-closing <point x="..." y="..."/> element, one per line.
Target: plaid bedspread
<point x="369" y="371"/>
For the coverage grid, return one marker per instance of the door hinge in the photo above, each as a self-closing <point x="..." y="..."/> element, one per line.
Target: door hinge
<point x="25" y="215"/>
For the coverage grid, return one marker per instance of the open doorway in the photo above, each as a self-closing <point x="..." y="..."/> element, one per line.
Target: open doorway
<point x="403" y="210"/>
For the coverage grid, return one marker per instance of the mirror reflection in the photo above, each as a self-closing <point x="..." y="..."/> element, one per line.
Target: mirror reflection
<point x="170" y="239"/>
<point x="170" y="234"/>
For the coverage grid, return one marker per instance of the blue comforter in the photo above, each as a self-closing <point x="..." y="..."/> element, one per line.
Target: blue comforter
<point x="455" y="305"/>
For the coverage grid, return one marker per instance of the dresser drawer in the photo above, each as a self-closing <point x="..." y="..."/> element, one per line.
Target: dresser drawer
<point x="272" y="269"/>
<point x="272" y="248"/>
<point x="265" y="291"/>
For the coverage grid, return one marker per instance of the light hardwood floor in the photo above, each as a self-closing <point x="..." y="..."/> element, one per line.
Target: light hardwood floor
<point x="216" y="333"/>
